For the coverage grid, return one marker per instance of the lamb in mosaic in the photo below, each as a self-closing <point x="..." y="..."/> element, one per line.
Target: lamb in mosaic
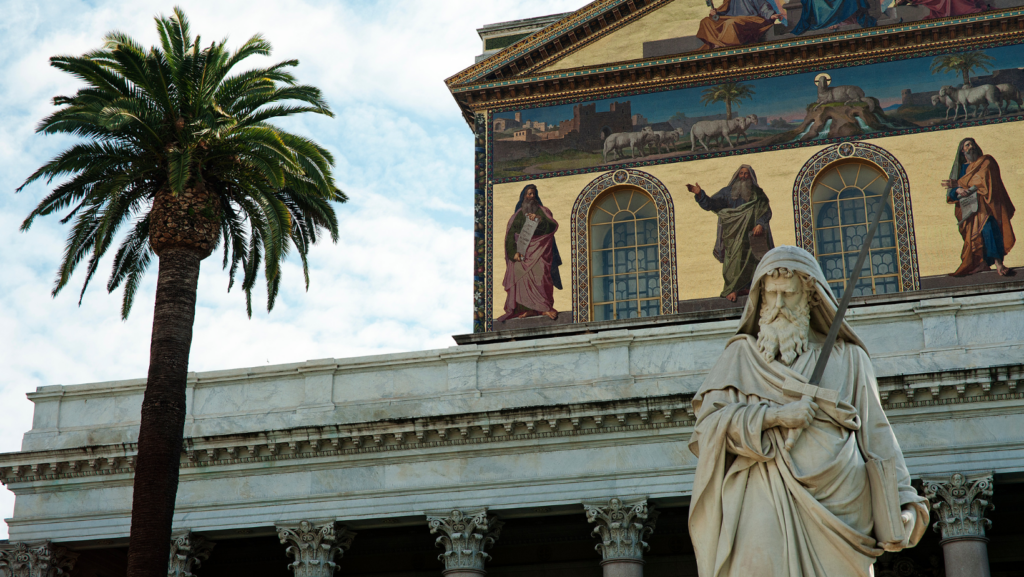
<point x="743" y="218"/>
<point x="531" y="259"/>
<point x="816" y="509"/>
<point x="983" y="210"/>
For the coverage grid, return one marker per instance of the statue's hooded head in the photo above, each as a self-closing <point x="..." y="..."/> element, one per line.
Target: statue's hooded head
<point x="782" y="331"/>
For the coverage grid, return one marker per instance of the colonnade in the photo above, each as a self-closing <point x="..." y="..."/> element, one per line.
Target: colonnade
<point x="315" y="549"/>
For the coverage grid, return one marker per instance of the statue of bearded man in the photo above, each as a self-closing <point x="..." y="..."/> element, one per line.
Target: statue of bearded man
<point x="758" y="508"/>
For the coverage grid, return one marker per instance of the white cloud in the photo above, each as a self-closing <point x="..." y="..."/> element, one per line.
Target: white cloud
<point x="399" y="278"/>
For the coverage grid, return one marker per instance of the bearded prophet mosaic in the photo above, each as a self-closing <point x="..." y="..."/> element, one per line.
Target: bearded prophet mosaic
<point x="531" y="259"/>
<point x="859" y="102"/>
<point x="982" y="208"/>
<point x="744" y="234"/>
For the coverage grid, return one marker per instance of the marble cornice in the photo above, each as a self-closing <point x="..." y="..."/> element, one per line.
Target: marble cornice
<point x="787" y="57"/>
<point x="363" y="438"/>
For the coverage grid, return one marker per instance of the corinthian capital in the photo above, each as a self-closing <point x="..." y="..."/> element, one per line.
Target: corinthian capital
<point x="314" y="546"/>
<point x="960" y="503"/>
<point x="464" y="537"/>
<point x="188" y="551"/>
<point x="622" y="526"/>
<point x="38" y="560"/>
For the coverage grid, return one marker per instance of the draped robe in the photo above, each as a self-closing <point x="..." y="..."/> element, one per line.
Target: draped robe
<point x="993" y="203"/>
<point x="758" y="509"/>
<point x="529" y="282"/>
<point x="739" y="22"/>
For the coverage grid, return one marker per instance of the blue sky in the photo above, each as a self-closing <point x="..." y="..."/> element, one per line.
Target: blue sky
<point x="788" y="96"/>
<point x="400" y="278"/>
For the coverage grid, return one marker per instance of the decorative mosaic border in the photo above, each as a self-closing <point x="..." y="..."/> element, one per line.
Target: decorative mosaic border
<point x="906" y="241"/>
<point x="748" y="77"/>
<point x="481" y="206"/>
<point x="580" y="230"/>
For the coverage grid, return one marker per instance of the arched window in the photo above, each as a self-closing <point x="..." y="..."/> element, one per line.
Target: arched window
<point x="626" y="282"/>
<point x="837" y="194"/>
<point x="623" y="257"/>
<point x="846" y="196"/>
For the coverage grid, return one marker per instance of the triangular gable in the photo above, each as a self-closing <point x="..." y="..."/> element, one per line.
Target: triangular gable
<point x="574" y="33"/>
<point x="677" y="18"/>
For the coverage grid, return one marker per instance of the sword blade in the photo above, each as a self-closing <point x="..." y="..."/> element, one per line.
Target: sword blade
<point x="837" y="322"/>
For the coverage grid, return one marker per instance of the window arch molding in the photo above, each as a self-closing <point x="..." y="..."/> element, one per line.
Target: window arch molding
<point x="906" y="243"/>
<point x="580" y="224"/>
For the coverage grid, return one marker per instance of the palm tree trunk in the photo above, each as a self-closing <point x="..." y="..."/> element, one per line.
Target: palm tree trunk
<point x="728" y="109"/>
<point x="967" y="77"/>
<point x="163" y="414"/>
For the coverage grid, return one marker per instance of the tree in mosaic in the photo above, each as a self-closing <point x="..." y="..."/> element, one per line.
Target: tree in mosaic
<point x="730" y="93"/>
<point x="962" y="63"/>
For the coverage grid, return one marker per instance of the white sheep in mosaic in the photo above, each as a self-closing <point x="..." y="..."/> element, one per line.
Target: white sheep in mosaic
<point x="938" y="100"/>
<point x="1009" y="93"/>
<point x="980" y="97"/>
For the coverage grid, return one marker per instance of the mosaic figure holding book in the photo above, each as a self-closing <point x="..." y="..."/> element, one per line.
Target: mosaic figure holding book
<point x="983" y="210"/>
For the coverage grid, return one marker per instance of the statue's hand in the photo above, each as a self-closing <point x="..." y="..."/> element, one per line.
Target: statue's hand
<point x="909" y="517"/>
<point x="796" y="415"/>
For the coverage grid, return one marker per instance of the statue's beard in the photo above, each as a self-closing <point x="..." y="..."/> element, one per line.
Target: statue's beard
<point x="531" y="206"/>
<point x="972" y="155"/>
<point x="742" y="189"/>
<point x="784" y="333"/>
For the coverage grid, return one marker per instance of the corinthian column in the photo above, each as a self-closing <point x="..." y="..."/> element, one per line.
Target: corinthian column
<point x="464" y="537"/>
<point x="188" y="551"/>
<point x="960" y="503"/>
<point x="622" y="526"/>
<point x="37" y="560"/>
<point x="314" y="546"/>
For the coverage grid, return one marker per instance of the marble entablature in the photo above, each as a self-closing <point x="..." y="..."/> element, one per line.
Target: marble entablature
<point x="540" y="423"/>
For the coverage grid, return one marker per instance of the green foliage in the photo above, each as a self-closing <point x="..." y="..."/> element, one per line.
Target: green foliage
<point x="729" y="93"/>
<point x="677" y="116"/>
<point x="963" y="63"/>
<point x="169" y="118"/>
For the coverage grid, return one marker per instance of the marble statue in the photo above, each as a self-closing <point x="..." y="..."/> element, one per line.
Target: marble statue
<point x="759" y="508"/>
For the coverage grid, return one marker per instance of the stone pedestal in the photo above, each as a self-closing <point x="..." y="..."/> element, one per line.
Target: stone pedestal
<point x="314" y="547"/>
<point x="622" y="526"/>
<point x="41" y="559"/>
<point x="960" y="503"/>
<point x="464" y="537"/>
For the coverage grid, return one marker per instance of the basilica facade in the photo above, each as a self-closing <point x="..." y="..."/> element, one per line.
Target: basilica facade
<point x="633" y="161"/>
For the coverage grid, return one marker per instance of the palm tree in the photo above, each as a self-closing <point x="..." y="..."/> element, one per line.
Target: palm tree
<point x="728" y="93"/>
<point x="963" y="63"/>
<point x="178" y="151"/>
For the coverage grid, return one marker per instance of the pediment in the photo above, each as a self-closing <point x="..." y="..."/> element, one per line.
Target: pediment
<point x="584" y="34"/>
